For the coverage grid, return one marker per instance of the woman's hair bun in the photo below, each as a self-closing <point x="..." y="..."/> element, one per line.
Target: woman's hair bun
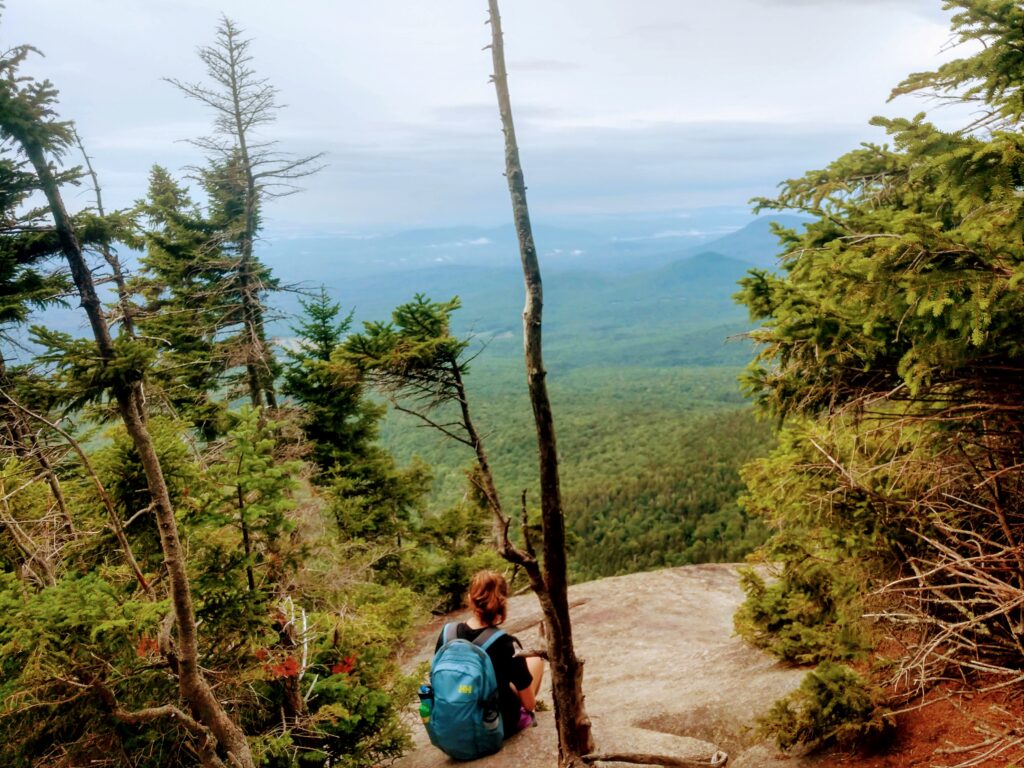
<point x="488" y="597"/>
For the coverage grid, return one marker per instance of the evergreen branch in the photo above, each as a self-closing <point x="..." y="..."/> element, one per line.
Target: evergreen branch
<point x="427" y="421"/>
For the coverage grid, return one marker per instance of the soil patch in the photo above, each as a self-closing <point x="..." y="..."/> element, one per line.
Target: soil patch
<point x="942" y="732"/>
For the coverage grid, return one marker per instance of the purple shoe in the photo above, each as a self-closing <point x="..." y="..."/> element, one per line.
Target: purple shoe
<point x="526" y="719"/>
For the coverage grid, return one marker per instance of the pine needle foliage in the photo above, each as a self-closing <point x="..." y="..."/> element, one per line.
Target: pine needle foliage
<point x="833" y="706"/>
<point x="338" y="419"/>
<point x="891" y="345"/>
<point x="180" y="283"/>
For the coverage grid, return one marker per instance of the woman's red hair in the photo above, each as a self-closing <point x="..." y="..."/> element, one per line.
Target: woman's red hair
<point x="488" y="597"/>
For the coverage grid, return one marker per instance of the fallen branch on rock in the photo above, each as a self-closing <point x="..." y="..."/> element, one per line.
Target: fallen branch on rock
<point x="715" y="761"/>
<point x="527" y="653"/>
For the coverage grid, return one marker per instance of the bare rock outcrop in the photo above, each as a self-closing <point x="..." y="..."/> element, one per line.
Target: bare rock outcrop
<point x="664" y="672"/>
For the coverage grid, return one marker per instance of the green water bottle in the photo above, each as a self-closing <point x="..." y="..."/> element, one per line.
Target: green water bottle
<point x="426" y="694"/>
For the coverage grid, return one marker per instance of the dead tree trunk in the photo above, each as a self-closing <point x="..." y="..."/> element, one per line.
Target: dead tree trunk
<point x="573" y="725"/>
<point x="192" y="684"/>
<point x="123" y="294"/>
<point x="260" y="356"/>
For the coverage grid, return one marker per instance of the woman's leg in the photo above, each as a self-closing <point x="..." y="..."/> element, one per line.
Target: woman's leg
<point x="536" y="666"/>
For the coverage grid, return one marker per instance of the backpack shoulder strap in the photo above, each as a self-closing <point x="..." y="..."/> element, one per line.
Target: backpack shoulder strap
<point x="486" y="638"/>
<point x="449" y="633"/>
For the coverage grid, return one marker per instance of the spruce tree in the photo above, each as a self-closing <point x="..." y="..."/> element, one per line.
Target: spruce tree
<point x="181" y="279"/>
<point x="245" y="171"/>
<point x="27" y="282"/>
<point x="339" y="421"/>
<point x="372" y="500"/>
<point x="254" y="494"/>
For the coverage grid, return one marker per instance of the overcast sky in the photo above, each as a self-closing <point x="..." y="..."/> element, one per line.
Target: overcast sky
<point x="621" y="105"/>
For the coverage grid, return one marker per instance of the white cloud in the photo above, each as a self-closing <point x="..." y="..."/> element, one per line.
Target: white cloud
<point x="619" y="105"/>
<point x="468" y="242"/>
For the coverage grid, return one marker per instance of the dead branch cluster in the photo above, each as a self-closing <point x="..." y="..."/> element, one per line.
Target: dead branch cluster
<point x="1002" y="742"/>
<point x="955" y="605"/>
<point x="962" y="595"/>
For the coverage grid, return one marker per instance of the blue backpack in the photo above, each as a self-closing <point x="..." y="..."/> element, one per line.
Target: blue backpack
<point x="465" y="722"/>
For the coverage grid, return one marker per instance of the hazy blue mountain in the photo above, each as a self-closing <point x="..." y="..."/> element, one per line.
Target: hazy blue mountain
<point x="621" y="293"/>
<point x="755" y="242"/>
<point x="346" y="262"/>
<point x="603" y="244"/>
<point x="678" y="314"/>
<point x="612" y="304"/>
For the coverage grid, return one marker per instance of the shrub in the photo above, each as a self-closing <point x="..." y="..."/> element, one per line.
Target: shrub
<point x="808" y="615"/>
<point x="833" y="705"/>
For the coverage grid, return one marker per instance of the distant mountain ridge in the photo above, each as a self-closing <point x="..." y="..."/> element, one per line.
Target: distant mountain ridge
<point x="600" y="308"/>
<point x="560" y="247"/>
<point x="609" y="299"/>
<point x="754" y="243"/>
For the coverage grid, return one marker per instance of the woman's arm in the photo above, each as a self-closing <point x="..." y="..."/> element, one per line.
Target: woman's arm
<point x="528" y="697"/>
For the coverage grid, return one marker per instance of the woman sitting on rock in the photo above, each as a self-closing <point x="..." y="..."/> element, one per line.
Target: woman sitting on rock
<point x="518" y="678"/>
